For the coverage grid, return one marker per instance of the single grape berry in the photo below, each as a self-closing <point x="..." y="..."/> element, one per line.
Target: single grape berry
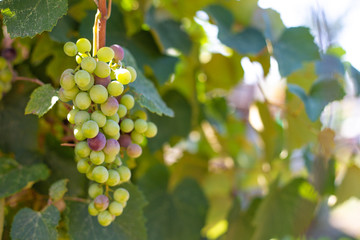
<point x="110" y="107"/>
<point x="114" y="178"/>
<point x="97" y="157"/>
<point x="110" y="158"/>
<point x="92" y="210"/>
<point x="78" y="134"/>
<point x="82" y="165"/>
<point x="112" y="147"/>
<point x="83" y="45"/>
<point x="95" y="190"/>
<point x="67" y="81"/>
<point x="132" y="72"/>
<point x="102" y="81"/>
<point x="137" y="137"/>
<point x="97" y="143"/>
<point x="111" y="128"/>
<point x="122" y="111"/>
<point x="98" y="94"/>
<point x="105" y="54"/>
<point x="140" y="114"/>
<point x="140" y="125"/>
<point x="82" y="78"/>
<point x="105" y="218"/>
<point x="127" y="125"/>
<point x="101" y="202"/>
<point x="90" y="129"/>
<point x="115" y="88"/>
<point x="70" y="49"/>
<point x="134" y="150"/>
<point x="81" y="117"/>
<point x="118" y="52"/>
<point x="123" y="76"/>
<point x="121" y="195"/>
<point x="71" y="93"/>
<point x="82" y="149"/>
<point x="100" y="174"/>
<point x="124" y="140"/>
<point x="116" y="208"/>
<point x="82" y="100"/>
<point x="71" y="115"/>
<point x="102" y="69"/>
<point x="151" y="130"/>
<point x="124" y="172"/>
<point x="128" y="101"/>
<point x="88" y="64"/>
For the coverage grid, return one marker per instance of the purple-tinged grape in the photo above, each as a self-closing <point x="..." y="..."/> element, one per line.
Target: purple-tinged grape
<point x="105" y="218"/>
<point x="102" y="81"/>
<point x="95" y="190"/>
<point x="110" y="107"/>
<point x="101" y="202"/>
<point x="97" y="143"/>
<point x="112" y="147"/>
<point x="118" y="52"/>
<point x="133" y="150"/>
<point x="9" y="54"/>
<point x="124" y="140"/>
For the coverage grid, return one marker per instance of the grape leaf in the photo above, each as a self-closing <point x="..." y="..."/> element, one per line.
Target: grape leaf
<point x="42" y="100"/>
<point x="348" y="187"/>
<point x="31" y="225"/>
<point x="179" y="214"/>
<point x="128" y="226"/>
<point x="145" y="91"/>
<point x="14" y="177"/>
<point x="330" y="67"/>
<point x="248" y="41"/>
<point x="355" y="76"/>
<point x="26" y="18"/>
<point x="294" y="47"/>
<point x="285" y="211"/>
<point x="58" y="189"/>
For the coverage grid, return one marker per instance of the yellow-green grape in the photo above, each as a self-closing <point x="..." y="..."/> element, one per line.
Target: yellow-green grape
<point x="81" y="117"/>
<point x="140" y="125"/>
<point x="5" y="75"/>
<point x="127" y="125"/>
<point x="100" y="174"/>
<point x="110" y="158"/>
<point x="121" y="195"/>
<point x="92" y="210"/>
<point x="90" y="84"/>
<point x="82" y="165"/>
<point x="82" y="149"/>
<point x="140" y="114"/>
<point x="151" y="130"/>
<point x="118" y="161"/>
<point x="78" y="134"/>
<point x="112" y="74"/>
<point x="82" y="78"/>
<point x="114" y="178"/>
<point x="89" y="174"/>
<point x="137" y="137"/>
<point x="105" y="218"/>
<point x="98" y="94"/>
<point x="60" y="94"/>
<point x="97" y="158"/>
<point x="82" y="100"/>
<point x="123" y="76"/>
<point x="3" y="63"/>
<point x="128" y="101"/>
<point x="116" y="208"/>
<point x="78" y="59"/>
<point x="71" y="93"/>
<point x="115" y="88"/>
<point x="90" y="129"/>
<point x="122" y="111"/>
<point x="71" y="115"/>
<point x="99" y="118"/>
<point x="67" y="81"/>
<point x="105" y="54"/>
<point x="117" y="136"/>
<point x="102" y="69"/>
<point x="83" y="45"/>
<point x="124" y="172"/>
<point x="132" y="73"/>
<point x="88" y="64"/>
<point x="70" y="49"/>
<point x="114" y="117"/>
<point x="95" y="190"/>
<point x="111" y="128"/>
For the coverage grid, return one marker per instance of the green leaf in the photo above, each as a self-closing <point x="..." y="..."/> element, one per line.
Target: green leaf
<point x="304" y="77"/>
<point x="168" y="31"/>
<point x="58" y="189"/>
<point x="26" y="18"/>
<point x="31" y="225"/>
<point x="42" y="100"/>
<point x="322" y="92"/>
<point x="330" y="67"/>
<point x="248" y="41"/>
<point x="128" y="226"/>
<point x="179" y="214"/>
<point x="285" y="211"/>
<point x="348" y="187"/>
<point x="355" y="75"/>
<point x="295" y="46"/>
<point x="145" y="91"/>
<point x="14" y="177"/>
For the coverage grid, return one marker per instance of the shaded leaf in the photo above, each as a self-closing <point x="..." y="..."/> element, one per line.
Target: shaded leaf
<point x="330" y="67"/>
<point x="349" y="185"/>
<point x="31" y="225"/>
<point x="42" y="99"/>
<point x="26" y="18"/>
<point x="179" y="214"/>
<point x="128" y="226"/>
<point x="355" y="75"/>
<point x="294" y="47"/>
<point x="58" y="189"/>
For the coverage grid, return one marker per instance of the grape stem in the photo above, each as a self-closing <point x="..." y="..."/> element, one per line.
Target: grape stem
<point x="76" y="199"/>
<point x="99" y="29"/>
<point x="68" y="144"/>
<point x="33" y="80"/>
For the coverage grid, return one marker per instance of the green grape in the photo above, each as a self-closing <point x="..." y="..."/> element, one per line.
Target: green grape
<point x="81" y="117"/>
<point x="112" y="147"/>
<point x="127" y="125"/>
<point x="121" y="195"/>
<point x="97" y="158"/>
<point x="117" y="136"/>
<point x="82" y="100"/>
<point x="140" y="114"/>
<point x="78" y="59"/>
<point x="82" y="149"/>
<point x="70" y="49"/>
<point x="95" y="190"/>
<point x="110" y="107"/>
<point x="128" y="101"/>
<point x="132" y="73"/>
<point x="92" y="210"/>
<point x="91" y="83"/>
<point x="102" y="69"/>
<point x="151" y="130"/>
<point x="71" y="93"/>
<point x="3" y="63"/>
<point x="123" y="76"/>
<point x="115" y="88"/>
<point x="110" y="158"/>
<point x="114" y="178"/>
<point x="134" y="150"/>
<point x="99" y="118"/>
<point x="60" y="94"/>
<point x="6" y="75"/>
<point x="82" y="78"/>
<point x="118" y="161"/>
<point x="140" y="125"/>
<point x="98" y="94"/>
<point x="105" y="218"/>
<point x="124" y="172"/>
<point x="78" y="134"/>
<point x="71" y="115"/>
<point x="116" y="208"/>
<point x="137" y="137"/>
<point x="112" y="74"/>
<point x="114" y="117"/>
<point x="88" y="64"/>
<point x="67" y="81"/>
<point x="89" y="174"/>
<point x="82" y="165"/>
<point x="105" y="54"/>
<point x="100" y="174"/>
<point x="90" y="129"/>
<point x="83" y="45"/>
<point x="66" y="72"/>
<point x="122" y="111"/>
<point x="111" y="128"/>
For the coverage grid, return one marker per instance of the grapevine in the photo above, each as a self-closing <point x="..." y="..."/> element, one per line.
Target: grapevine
<point x="105" y="125"/>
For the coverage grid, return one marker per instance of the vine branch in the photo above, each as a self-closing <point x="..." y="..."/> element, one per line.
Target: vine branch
<point x="33" y="80"/>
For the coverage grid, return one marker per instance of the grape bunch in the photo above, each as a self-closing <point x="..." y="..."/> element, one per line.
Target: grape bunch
<point x="5" y="77"/>
<point x="105" y="127"/>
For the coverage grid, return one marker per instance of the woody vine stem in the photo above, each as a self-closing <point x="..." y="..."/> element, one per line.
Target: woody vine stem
<point x="99" y="29"/>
